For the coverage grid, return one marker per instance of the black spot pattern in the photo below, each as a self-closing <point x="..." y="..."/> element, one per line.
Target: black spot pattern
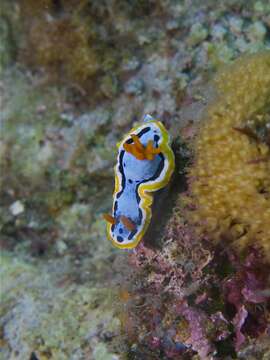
<point x="120" y="239"/>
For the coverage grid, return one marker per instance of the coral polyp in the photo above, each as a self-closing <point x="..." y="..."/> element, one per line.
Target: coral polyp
<point x="230" y="178"/>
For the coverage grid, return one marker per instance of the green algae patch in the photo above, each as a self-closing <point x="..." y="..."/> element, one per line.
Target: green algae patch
<point x="45" y="313"/>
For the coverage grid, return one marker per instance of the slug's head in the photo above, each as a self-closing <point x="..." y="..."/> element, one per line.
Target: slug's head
<point x="122" y="231"/>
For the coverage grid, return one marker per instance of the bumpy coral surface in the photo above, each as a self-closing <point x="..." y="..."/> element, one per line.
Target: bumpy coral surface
<point x="186" y="301"/>
<point x="76" y="75"/>
<point x="230" y="180"/>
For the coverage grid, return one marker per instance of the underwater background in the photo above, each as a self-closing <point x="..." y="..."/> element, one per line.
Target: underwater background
<point x="76" y="75"/>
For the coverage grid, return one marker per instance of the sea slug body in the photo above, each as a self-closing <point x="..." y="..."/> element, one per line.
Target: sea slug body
<point x="145" y="164"/>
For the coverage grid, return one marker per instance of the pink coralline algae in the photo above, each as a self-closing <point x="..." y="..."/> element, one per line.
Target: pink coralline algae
<point x="238" y="322"/>
<point x="197" y="320"/>
<point x="191" y="298"/>
<point x="246" y="287"/>
<point x="248" y="284"/>
<point x="181" y="257"/>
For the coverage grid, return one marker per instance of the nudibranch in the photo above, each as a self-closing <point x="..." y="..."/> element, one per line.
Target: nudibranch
<point x="145" y="163"/>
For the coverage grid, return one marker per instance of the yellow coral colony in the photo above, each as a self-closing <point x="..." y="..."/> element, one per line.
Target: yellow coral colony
<point x="231" y="173"/>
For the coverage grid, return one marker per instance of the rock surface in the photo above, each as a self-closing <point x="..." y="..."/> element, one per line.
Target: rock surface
<point x="75" y="76"/>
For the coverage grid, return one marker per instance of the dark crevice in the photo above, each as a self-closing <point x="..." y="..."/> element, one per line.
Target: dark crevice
<point x="165" y="199"/>
<point x="33" y="356"/>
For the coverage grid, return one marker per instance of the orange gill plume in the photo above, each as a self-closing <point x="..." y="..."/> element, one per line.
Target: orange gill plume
<point x="141" y="152"/>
